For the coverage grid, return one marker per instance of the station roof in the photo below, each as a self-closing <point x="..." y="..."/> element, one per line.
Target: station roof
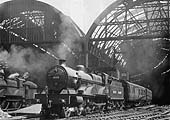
<point x="31" y="22"/>
<point x="133" y="33"/>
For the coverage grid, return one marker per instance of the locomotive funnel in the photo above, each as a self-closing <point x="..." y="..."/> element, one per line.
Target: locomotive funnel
<point x="62" y="62"/>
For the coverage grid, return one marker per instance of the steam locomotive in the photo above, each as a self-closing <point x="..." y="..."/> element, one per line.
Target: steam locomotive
<point x="15" y="91"/>
<point x="70" y="91"/>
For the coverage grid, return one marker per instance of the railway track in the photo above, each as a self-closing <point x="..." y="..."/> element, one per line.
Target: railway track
<point x="152" y="112"/>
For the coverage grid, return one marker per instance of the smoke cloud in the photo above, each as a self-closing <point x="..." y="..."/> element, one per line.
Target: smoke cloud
<point x="70" y="38"/>
<point x="21" y="59"/>
<point x="148" y="59"/>
<point x="37" y="62"/>
<point x="141" y="56"/>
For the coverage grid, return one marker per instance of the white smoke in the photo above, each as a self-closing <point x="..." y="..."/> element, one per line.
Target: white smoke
<point x="28" y="59"/>
<point x="141" y="56"/>
<point x="70" y="39"/>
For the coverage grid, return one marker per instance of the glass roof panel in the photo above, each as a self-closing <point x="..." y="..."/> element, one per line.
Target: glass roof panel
<point x="146" y="19"/>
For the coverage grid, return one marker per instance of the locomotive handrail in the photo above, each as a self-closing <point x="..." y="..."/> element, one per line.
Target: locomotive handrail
<point x="91" y="82"/>
<point x="84" y="75"/>
<point x="96" y="78"/>
<point x="135" y="85"/>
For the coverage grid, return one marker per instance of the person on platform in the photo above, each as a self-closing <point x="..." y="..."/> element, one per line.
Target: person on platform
<point x="2" y="72"/>
<point x="26" y="75"/>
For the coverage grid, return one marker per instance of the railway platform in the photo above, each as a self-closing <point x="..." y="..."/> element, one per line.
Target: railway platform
<point x="20" y="114"/>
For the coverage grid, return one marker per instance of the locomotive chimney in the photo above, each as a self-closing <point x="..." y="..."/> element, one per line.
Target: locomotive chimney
<point x="62" y="62"/>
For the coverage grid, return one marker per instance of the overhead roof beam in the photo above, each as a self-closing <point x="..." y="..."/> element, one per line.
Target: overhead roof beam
<point x="138" y="21"/>
<point x="129" y="37"/>
<point x="139" y="6"/>
<point x="100" y="53"/>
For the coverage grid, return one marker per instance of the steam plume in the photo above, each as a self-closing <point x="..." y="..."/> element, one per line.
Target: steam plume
<point x="140" y="55"/>
<point x="70" y="39"/>
<point x="38" y="63"/>
<point x="26" y="59"/>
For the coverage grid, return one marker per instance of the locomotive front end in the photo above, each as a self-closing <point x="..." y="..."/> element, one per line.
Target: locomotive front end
<point x="57" y="78"/>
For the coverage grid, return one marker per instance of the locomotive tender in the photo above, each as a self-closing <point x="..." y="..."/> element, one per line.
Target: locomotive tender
<point x="75" y="91"/>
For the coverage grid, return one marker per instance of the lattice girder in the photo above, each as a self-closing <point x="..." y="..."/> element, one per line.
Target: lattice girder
<point x="128" y="20"/>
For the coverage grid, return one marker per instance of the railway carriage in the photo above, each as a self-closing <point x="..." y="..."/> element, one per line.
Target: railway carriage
<point x="148" y="96"/>
<point x="135" y="94"/>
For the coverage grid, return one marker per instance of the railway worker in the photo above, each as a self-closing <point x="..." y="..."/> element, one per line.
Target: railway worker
<point x="26" y="75"/>
<point x="2" y="72"/>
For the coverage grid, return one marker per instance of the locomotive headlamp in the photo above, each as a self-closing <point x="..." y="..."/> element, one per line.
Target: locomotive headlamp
<point x="62" y="61"/>
<point x="62" y="101"/>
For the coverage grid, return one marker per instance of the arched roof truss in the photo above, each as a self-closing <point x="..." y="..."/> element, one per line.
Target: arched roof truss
<point x="127" y="22"/>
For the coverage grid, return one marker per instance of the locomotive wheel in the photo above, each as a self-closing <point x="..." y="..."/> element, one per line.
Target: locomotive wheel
<point x="17" y="104"/>
<point x="45" y="113"/>
<point x="122" y="105"/>
<point x="79" y="111"/>
<point x="87" y="110"/>
<point x="5" y="105"/>
<point x="66" y="112"/>
<point x="102" y="109"/>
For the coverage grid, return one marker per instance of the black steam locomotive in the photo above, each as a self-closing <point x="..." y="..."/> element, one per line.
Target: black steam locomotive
<point x="15" y="91"/>
<point x="70" y="91"/>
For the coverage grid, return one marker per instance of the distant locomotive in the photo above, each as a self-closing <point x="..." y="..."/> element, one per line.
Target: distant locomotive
<point x="15" y="91"/>
<point x="76" y="92"/>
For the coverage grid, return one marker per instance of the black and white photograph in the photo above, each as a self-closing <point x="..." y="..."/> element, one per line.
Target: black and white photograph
<point x="84" y="59"/>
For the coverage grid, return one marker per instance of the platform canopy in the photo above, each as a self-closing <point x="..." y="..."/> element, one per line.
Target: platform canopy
<point x="133" y="34"/>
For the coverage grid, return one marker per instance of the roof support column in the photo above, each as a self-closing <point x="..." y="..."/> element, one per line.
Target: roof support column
<point x="168" y="20"/>
<point x="126" y="21"/>
<point x="86" y="53"/>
